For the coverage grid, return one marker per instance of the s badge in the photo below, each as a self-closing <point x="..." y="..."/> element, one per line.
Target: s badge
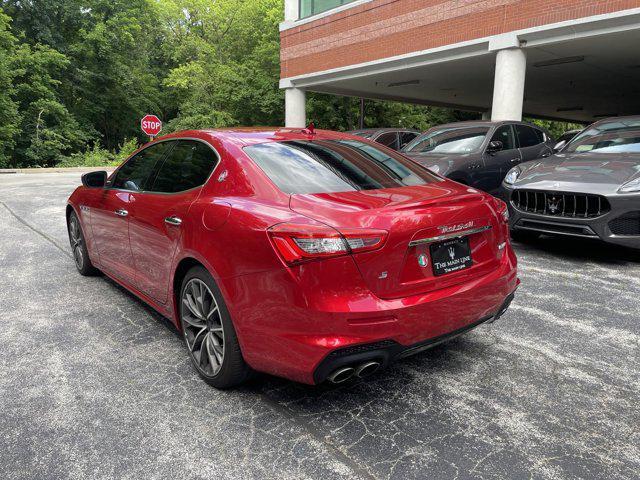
<point x="423" y="260"/>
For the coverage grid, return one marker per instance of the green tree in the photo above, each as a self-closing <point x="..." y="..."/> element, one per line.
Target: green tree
<point x="9" y="119"/>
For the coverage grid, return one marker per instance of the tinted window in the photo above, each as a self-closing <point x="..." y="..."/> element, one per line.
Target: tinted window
<point x="527" y="136"/>
<point x="323" y="166"/>
<point x="504" y="134"/>
<point x="389" y="139"/>
<point x="407" y="137"/>
<point x="188" y="166"/>
<point x="621" y="136"/>
<point x="134" y="174"/>
<point x="449" y="140"/>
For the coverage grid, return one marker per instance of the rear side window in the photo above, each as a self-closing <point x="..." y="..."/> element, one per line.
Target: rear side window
<point x="527" y="136"/>
<point x="134" y="174"/>
<point x="406" y="137"/>
<point x="326" y="166"/>
<point x="187" y="166"/>
<point x="389" y="139"/>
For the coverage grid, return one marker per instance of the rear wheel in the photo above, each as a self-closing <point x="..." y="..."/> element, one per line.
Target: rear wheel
<point x="524" y="236"/>
<point x="79" y="246"/>
<point x="208" y="332"/>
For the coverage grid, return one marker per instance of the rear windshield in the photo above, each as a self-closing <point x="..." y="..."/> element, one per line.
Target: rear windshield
<point x="327" y="166"/>
<point x="611" y="137"/>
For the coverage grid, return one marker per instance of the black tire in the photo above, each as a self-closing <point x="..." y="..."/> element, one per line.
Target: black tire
<point x="232" y="370"/>
<point x="79" y="246"/>
<point x="524" y="236"/>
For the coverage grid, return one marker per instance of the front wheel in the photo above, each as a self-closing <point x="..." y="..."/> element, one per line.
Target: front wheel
<point x="209" y="333"/>
<point x="79" y="246"/>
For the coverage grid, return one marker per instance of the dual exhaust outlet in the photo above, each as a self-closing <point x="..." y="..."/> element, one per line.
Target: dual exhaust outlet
<point x="363" y="370"/>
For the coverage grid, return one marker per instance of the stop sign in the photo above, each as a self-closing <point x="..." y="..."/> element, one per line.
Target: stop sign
<point x="151" y="125"/>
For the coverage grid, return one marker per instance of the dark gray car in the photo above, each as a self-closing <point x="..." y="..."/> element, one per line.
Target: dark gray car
<point x="591" y="188"/>
<point x="479" y="153"/>
<point x="395" y="138"/>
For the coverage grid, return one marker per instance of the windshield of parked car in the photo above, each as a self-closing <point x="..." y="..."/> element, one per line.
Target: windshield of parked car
<point x="612" y="137"/>
<point x="449" y="140"/>
<point x="328" y="166"/>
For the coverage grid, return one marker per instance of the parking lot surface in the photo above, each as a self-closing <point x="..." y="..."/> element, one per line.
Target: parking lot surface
<point x="94" y="384"/>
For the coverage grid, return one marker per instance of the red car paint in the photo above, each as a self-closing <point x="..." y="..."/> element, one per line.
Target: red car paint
<point x="290" y="316"/>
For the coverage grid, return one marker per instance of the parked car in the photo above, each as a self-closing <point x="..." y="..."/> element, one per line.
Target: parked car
<point x="308" y="255"/>
<point x="479" y="153"/>
<point x="591" y="188"/>
<point x="565" y="138"/>
<point x="394" y="138"/>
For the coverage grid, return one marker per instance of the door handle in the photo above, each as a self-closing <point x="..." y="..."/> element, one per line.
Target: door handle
<point x="514" y="160"/>
<point x="121" y="212"/>
<point x="175" y="221"/>
<point x="546" y="154"/>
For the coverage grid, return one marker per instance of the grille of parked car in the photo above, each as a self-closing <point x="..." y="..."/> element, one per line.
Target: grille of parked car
<point x="560" y="204"/>
<point x="627" y="224"/>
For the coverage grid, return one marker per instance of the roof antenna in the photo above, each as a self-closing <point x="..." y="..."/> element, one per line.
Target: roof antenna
<point x="310" y="130"/>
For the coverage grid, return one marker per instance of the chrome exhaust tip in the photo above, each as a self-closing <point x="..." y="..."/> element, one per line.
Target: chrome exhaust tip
<point x="367" y="369"/>
<point x="341" y="375"/>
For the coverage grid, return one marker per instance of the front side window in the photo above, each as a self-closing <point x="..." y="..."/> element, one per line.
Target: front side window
<point x="327" y="166"/>
<point x="187" y="166"/>
<point x="504" y="134"/>
<point x="313" y="7"/>
<point x="527" y="136"/>
<point x="622" y="136"/>
<point x="407" y="137"/>
<point x="134" y="174"/>
<point x="449" y="140"/>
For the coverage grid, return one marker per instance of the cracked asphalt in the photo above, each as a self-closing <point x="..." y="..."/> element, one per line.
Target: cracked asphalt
<point x="94" y="384"/>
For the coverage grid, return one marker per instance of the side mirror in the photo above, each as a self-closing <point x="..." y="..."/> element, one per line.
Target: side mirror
<point x="495" y="146"/>
<point x="95" y="179"/>
<point x="559" y="146"/>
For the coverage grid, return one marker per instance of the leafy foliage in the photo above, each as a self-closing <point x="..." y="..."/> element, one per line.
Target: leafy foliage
<point x="77" y="75"/>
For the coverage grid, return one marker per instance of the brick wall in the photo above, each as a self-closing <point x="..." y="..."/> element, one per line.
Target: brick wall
<point x="386" y="28"/>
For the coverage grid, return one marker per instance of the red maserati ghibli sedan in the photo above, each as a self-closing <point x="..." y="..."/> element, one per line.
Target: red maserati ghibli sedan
<point x="311" y="255"/>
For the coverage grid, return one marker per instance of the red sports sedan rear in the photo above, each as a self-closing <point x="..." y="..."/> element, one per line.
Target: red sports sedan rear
<point x="309" y="255"/>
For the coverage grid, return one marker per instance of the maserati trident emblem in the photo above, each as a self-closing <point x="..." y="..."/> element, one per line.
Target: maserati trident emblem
<point x="554" y="204"/>
<point x="423" y="260"/>
<point x="452" y="253"/>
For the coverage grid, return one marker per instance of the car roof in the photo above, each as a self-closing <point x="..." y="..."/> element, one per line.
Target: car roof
<point x="482" y="123"/>
<point x="617" y="119"/>
<point x="255" y="135"/>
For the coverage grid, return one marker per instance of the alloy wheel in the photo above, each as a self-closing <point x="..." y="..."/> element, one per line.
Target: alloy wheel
<point x="75" y="235"/>
<point x="202" y="326"/>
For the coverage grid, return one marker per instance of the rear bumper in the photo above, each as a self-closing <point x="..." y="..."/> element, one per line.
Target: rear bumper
<point x="388" y="351"/>
<point x="595" y="228"/>
<point x="296" y="332"/>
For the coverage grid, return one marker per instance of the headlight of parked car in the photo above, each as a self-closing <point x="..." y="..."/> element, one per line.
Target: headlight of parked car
<point x="629" y="187"/>
<point x="512" y="176"/>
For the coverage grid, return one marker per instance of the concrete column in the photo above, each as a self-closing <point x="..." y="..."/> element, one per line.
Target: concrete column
<point x="486" y="115"/>
<point x="291" y="12"/>
<point x="295" y="115"/>
<point x="508" y="89"/>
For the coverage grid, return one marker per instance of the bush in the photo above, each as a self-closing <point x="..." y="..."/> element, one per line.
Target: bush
<point x="99" y="157"/>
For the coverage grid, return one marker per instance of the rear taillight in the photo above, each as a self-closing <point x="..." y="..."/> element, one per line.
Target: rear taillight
<point x="300" y="243"/>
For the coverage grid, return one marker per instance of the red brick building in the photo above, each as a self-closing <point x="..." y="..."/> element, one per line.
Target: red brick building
<point x="566" y="59"/>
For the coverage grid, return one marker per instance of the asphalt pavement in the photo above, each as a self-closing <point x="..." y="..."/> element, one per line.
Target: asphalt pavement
<point x="94" y="384"/>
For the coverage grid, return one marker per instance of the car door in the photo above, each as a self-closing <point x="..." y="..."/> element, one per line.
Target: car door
<point x="531" y="142"/>
<point x="161" y="214"/>
<point x="111" y="209"/>
<point x="498" y="163"/>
